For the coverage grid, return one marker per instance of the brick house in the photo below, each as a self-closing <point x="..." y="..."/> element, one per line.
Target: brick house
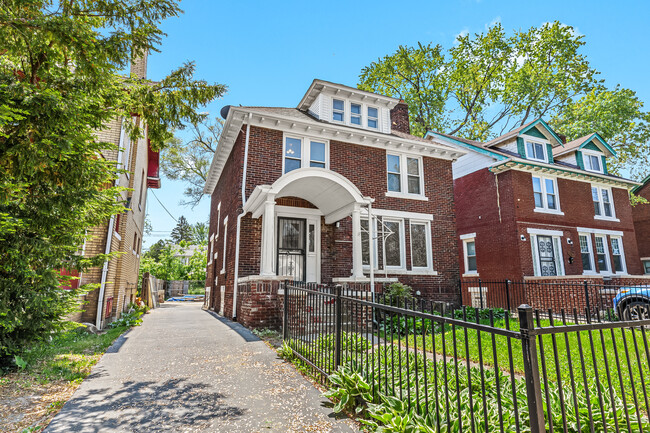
<point x="118" y="278"/>
<point x="641" y="216"/>
<point x="293" y="191"/>
<point x="529" y="205"/>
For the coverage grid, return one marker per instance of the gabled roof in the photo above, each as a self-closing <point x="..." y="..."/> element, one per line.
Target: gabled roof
<point x="522" y="130"/>
<point x="579" y="143"/>
<point x="467" y="144"/>
<point x="644" y="182"/>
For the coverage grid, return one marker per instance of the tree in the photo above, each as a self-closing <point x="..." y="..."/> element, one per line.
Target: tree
<point x="489" y="83"/>
<point x="60" y="81"/>
<point x="200" y="233"/>
<point x="182" y="232"/>
<point x="156" y="249"/>
<point x="190" y="162"/>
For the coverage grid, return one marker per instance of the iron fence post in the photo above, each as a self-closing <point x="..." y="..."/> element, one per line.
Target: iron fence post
<point x="460" y="291"/>
<point x="285" y="313"/>
<point x="480" y="292"/>
<point x="337" y="327"/>
<point x="508" y="295"/>
<point x="531" y="369"/>
<point x="587" y="296"/>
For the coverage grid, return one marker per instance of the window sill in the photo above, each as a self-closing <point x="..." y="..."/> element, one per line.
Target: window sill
<point x="117" y="235"/>
<point x="406" y="196"/>
<point x="552" y="212"/>
<point x="604" y="218"/>
<point x="471" y="274"/>
<point x="402" y="271"/>
<point x="223" y="271"/>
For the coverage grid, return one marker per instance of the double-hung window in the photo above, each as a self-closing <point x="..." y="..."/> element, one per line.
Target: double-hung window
<point x="338" y="110"/>
<point x="545" y="194"/>
<point x="355" y="114"/>
<point x="646" y="267"/>
<point x="601" y="254"/>
<point x="420" y="245"/>
<point x="469" y="252"/>
<point x="304" y="152"/>
<point x="407" y="181"/>
<point x="393" y="241"/>
<point x="536" y="151"/>
<point x="592" y="162"/>
<point x="587" y="253"/>
<point x="373" y="117"/>
<point x="618" y="259"/>
<point x="603" y="206"/>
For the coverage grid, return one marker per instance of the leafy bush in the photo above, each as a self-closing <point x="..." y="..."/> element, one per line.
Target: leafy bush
<point x="484" y="314"/>
<point x="397" y="294"/>
<point x="350" y="390"/>
<point x="131" y="318"/>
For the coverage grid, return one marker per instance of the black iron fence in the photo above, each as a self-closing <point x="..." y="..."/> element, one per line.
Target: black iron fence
<point x="584" y="296"/>
<point x="474" y="370"/>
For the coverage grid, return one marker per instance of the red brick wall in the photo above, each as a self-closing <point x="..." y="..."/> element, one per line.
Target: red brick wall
<point x="500" y="252"/>
<point x="641" y="216"/>
<point x="399" y="117"/>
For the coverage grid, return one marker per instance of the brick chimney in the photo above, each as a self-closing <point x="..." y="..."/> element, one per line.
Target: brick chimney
<point x="139" y="65"/>
<point x="399" y="118"/>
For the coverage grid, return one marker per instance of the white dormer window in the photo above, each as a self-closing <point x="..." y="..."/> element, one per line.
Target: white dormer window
<point x="373" y="117"/>
<point x="355" y="114"/>
<point x="536" y="151"/>
<point x="592" y="162"/>
<point x="338" y="110"/>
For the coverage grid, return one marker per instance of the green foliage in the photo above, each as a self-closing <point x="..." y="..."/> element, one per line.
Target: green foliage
<point x="398" y="293"/>
<point x="163" y="262"/>
<point x="200" y="233"/>
<point x="183" y="231"/>
<point x="129" y="319"/>
<point x="484" y="314"/>
<point x="190" y="162"/>
<point x="60" y="82"/>
<point x="350" y="390"/>
<point x="489" y="83"/>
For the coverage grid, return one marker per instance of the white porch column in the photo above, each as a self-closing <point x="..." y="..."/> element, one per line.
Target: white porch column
<point x="268" y="235"/>
<point x="357" y="259"/>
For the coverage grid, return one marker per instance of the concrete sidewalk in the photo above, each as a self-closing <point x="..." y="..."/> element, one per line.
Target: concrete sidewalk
<point x="186" y="370"/>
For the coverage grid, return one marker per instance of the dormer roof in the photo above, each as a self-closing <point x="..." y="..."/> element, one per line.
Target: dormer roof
<point x="539" y="124"/>
<point x="321" y="86"/>
<point x="581" y="142"/>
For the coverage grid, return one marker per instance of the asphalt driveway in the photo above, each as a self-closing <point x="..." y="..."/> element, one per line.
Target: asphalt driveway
<point x="187" y="370"/>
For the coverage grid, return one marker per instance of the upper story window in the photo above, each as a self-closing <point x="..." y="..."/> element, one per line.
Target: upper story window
<point x="404" y="174"/>
<point x="592" y="162"/>
<point x="304" y="152"/>
<point x="603" y="205"/>
<point x="536" y="151"/>
<point x="338" y="110"/>
<point x="355" y="114"/>
<point x="545" y="193"/>
<point x="373" y="117"/>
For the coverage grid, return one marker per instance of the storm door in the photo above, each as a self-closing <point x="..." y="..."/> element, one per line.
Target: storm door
<point x="292" y="236"/>
<point x="546" y="256"/>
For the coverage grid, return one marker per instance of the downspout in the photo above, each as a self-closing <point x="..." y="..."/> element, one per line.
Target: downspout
<point x="109" y="239"/>
<point x="239" y="217"/>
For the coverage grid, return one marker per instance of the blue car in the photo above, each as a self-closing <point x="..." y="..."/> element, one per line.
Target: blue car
<point x="632" y="303"/>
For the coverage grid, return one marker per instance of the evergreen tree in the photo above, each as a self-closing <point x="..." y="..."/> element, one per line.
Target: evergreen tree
<point x="183" y="231"/>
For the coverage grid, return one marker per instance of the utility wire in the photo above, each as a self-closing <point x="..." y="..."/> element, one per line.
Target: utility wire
<point x="163" y="206"/>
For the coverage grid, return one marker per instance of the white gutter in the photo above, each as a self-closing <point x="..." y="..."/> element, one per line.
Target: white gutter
<point x="239" y="217"/>
<point x="109" y="239"/>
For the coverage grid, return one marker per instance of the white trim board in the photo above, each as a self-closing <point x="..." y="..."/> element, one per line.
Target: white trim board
<point x="544" y="232"/>
<point x="600" y="231"/>
<point x="468" y="236"/>
<point x="398" y="214"/>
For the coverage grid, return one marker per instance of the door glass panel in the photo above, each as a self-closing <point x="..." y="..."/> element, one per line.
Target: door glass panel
<point x="312" y="229"/>
<point x="365" y="246"/>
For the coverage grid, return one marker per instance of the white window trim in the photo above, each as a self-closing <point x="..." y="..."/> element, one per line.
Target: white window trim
<point x="545" y="208"/>
<point x="622" y="251"/>
<point x="210" y="249"/>
<point x="347" y="114"/>
<point x="218" y="219"/>
<point x="643" y="260"/>
<point x="403" y="177"/>
<point x="225" y="237"/>
<point x="607" y="253"/>
<point x="559" y="255"/>
<point x="305" y="150"/>
<point x="427" y="232"/>
<point x="373" y="235"/>
<point x="536" y="141"/>
<point x="470" y="237"/>
<point x="601" y="205"/>
<point x="402" y="245"/>
<point x="592" y="256"/>
<point x="592" y="153"/>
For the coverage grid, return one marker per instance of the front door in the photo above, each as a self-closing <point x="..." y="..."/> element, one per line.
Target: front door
<point x="546" y="256"/>
<point x="292" y="240"/>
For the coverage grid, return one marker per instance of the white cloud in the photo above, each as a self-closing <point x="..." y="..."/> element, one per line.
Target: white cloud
<point x="462" y="34"/>
<point x="492" y="23"/>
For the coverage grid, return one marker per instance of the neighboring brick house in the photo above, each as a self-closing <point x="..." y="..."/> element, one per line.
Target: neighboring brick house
<point x="292" y="188"/>
<point x="641" y="216"/>
<point x="530" y="205"/>
<point x="118" y="278"/>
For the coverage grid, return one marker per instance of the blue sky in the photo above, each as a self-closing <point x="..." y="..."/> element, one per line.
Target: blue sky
<point x="267" y="53"/>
